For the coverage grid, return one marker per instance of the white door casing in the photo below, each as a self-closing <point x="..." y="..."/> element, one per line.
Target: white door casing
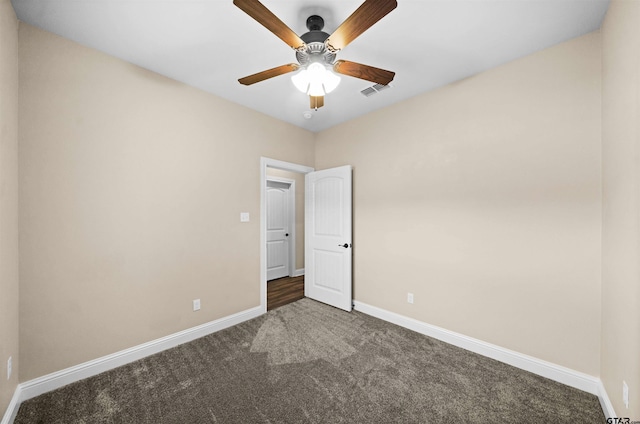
<point x="278" y="232"/>
<point x="328" y="254"/>
<point x="266" y="163"/>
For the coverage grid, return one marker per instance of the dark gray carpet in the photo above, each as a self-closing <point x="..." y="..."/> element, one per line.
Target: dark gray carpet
<point x="310" y="363"/>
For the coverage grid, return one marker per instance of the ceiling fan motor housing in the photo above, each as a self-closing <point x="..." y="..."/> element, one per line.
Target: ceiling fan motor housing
<point x="315" y="51"/>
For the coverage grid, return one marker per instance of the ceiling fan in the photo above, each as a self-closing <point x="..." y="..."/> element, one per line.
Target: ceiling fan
<point x="316" y="50"/>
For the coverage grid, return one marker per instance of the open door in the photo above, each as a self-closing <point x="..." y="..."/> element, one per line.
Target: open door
<point x="328" y="237"/>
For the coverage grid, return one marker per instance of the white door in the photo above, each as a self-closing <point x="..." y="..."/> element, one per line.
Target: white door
<point x="328" y="237"/>
<point x="277" y="230"/>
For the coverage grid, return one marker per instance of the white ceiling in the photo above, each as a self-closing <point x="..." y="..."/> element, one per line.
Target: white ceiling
<point x="209" y="44"/>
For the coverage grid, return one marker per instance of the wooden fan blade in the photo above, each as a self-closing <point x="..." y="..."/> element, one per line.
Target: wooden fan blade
<point x="316" y="101"/>
<point x="269" y="73"/>
<point x="364" y="72"/>
<point x="266" y="18"/>
<point x="370" y="12"/>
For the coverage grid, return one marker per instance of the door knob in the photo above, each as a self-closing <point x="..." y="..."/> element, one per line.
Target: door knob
<point x="346" y="245"/>
<point x="286" y="234"/>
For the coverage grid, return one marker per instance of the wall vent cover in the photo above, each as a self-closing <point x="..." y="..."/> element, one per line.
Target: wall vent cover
<point x="370" y="91"/>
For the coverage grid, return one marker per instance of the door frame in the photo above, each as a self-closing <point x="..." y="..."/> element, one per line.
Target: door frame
<point x="285" y="166"/>
<point x="291" y="220"/>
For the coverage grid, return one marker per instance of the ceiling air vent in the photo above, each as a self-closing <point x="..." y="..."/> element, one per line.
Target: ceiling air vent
<point x="370" y="91"/>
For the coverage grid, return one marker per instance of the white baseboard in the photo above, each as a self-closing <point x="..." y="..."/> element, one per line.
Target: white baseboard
<point x="605" y="402"/>
<point x="40" y="385"/>
<point x="12" y="409"/>
<point x="537" y="366"/>
<point x="298" y="272"/>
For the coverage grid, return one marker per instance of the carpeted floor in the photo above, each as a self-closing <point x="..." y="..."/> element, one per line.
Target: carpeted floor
<point x="310" y="363"/>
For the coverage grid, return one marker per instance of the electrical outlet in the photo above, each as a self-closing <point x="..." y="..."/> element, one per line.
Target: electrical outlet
<point x="244" y="216"/>
<point x="9" y="367"/>
<point x="196" y="304"/>
<point x="409" y="297"/>
<point x="625" y="394"/>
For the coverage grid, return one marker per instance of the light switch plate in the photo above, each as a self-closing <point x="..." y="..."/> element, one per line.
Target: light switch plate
<point x="244" y="216"/>
<point x="196" y="304"/>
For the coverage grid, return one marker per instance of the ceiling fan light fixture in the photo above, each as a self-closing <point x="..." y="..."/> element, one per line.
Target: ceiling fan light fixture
<point x="315" y="80"/>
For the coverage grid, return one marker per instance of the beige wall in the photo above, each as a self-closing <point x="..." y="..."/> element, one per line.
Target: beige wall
<point x="126" y="209"/>
<point x="299" y="179"/>
<point x="483" y="200"/>
<point x="8" y="201"/>
<point x="621" y="205"/>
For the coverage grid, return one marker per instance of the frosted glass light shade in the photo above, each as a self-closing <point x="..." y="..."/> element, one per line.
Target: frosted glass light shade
<point x="316" y="80"/>
<point x="331" y="81"/>
<point x="301" y="81"/>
